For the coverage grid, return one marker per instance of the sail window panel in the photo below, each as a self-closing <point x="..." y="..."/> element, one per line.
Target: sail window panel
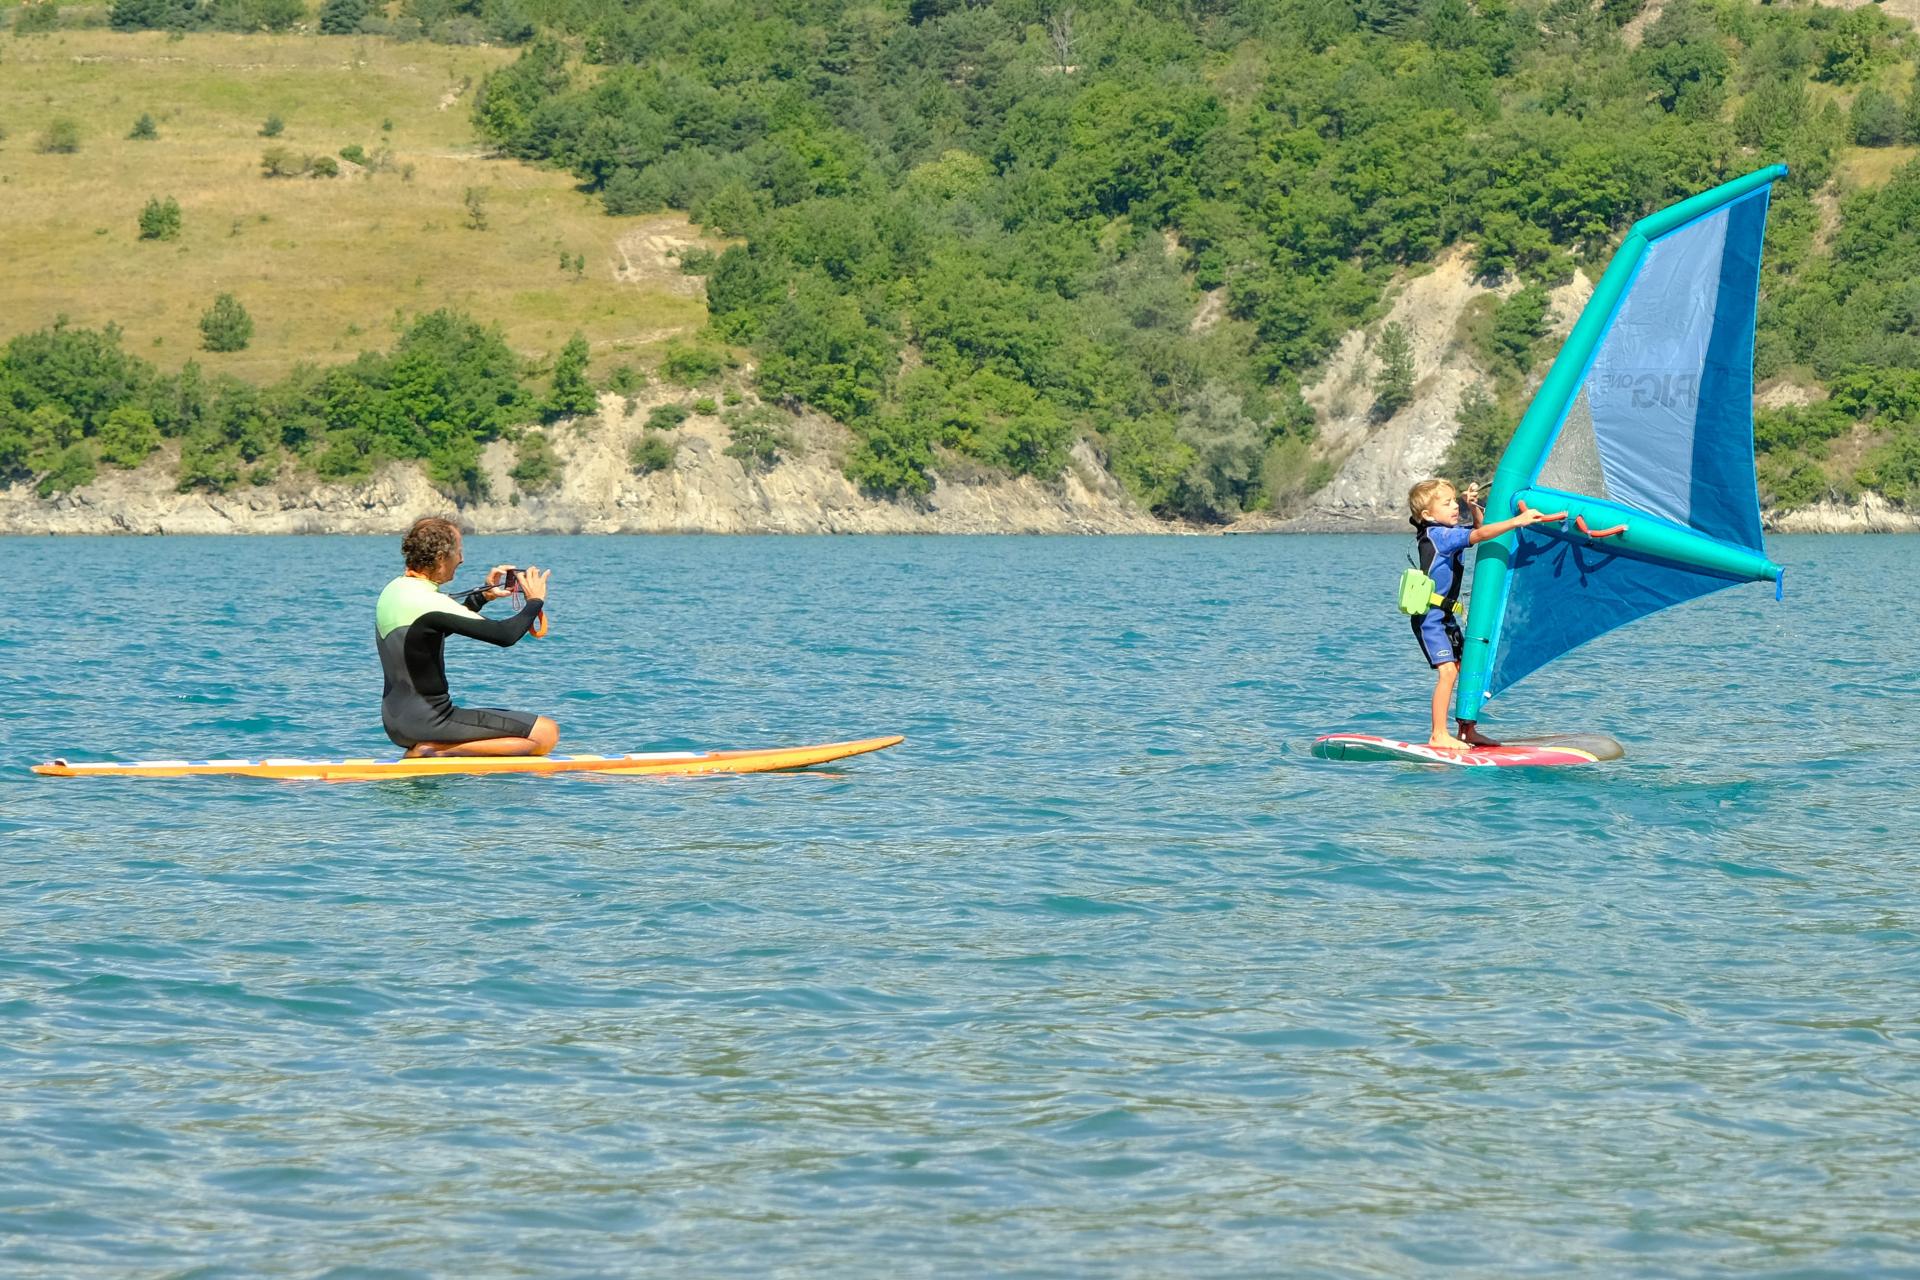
<point x="1573" y="464"/>
<point x="1670" y="391"/>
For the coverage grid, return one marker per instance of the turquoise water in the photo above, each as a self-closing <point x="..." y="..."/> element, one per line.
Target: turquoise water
<point x="1098" y="974"/>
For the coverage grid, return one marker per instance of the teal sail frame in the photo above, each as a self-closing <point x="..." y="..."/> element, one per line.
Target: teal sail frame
<point x="1656" y="473"/>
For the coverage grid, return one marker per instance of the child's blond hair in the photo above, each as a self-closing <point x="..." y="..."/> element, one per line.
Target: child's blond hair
<point x="1421" y="496"/>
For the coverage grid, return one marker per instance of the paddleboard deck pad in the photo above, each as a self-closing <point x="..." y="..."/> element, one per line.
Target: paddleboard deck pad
<point x="639" y="764"/>
<point x="1557" y="750"/>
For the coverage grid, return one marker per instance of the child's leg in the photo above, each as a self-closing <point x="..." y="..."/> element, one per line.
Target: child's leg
<point x="1445" y="677"/>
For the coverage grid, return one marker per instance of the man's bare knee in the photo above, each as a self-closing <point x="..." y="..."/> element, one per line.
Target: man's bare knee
<point x="544" y="736"/>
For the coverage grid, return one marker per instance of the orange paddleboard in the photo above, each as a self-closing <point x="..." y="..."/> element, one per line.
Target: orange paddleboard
<point x="656" y="762"/>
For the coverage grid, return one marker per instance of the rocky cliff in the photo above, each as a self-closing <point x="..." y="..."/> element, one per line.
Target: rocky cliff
<point x="703" y="491"/>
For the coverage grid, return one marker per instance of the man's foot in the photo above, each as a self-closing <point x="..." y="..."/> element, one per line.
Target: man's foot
<point x="420" y="750"/>
<point x="1447" y="742"/>
<point x="1473" y="737"/>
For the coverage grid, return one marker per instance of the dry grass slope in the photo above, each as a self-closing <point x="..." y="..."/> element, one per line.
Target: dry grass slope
<point x="327" y="267"/>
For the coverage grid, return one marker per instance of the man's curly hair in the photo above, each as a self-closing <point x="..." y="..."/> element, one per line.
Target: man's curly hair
<point x="429" y="541"/>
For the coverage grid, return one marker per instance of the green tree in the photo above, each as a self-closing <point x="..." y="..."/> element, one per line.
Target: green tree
<point x="1851" y="44"/>
<point x="476" y="202"/>
<point x="572" y="395"/>
<point x="127" y="437"/>
<point x="226" y="326"/>
<point x="1518" y="323"/>
<point x="342" y="17"/>
<point x="144" y="129"/>
<point x="153" y="15"/>
<point x="71" y="468"/>
<point x="1482" y="435"/>
<point x="273" y="127"/>
<point x="1875" y="118"/>
<point x="1393" y="382"/>
<point x="160" y="219"/>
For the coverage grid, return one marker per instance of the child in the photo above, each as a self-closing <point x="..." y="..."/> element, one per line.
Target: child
<point x="1441" y="544"/>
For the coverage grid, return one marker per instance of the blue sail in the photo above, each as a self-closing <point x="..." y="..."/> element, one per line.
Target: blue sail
<point x="1643" y="433"/>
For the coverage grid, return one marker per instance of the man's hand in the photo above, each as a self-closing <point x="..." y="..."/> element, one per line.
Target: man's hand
<point x="497" y="582"/>
<point x="533" y="582"/>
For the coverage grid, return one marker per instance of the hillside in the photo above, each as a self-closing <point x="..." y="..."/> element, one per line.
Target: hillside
<point x="324" y="265"/>
<point x="1255" y="261"/>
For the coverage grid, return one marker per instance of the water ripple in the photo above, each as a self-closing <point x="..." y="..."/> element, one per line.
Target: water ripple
<point x="1100" y="974"/>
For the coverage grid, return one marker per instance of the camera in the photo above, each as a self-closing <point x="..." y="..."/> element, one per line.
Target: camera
<point x="510" y="579"/>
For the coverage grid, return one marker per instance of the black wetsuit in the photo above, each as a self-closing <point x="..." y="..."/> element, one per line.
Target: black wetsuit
<point x="411" y="624"/>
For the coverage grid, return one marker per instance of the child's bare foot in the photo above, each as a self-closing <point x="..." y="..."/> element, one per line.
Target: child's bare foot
<point x="1447" y="742"/>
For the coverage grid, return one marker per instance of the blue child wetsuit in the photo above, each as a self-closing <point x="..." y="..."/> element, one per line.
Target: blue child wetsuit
<point x="1440" y="549"/>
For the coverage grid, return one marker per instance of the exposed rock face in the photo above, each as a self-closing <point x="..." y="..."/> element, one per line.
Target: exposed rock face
<point x="703" y="492"/>
<point x="1872" y="514"/>
<point x="1382" y="460"/>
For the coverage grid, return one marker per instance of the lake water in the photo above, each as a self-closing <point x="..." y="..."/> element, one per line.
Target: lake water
<point x="1098" y="974"/>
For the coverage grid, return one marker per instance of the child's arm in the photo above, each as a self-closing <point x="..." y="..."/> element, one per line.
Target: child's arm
<point x="1482" y="532"/>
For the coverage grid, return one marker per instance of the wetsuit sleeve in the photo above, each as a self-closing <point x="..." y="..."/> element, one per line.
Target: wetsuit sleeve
<point x="1448" y="539"/>
<point x="500" y="631"/>
<point x="474" y="599"/>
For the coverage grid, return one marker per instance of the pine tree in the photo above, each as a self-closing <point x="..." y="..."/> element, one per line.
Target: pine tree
<point x="1393" y="385"/>
<point x="226" y="326"/>
<point x="572" y="395"/>
<point x="160" y="219"/>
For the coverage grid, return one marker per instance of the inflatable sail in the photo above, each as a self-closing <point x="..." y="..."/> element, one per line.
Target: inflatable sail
<point x="1643" y="434"/>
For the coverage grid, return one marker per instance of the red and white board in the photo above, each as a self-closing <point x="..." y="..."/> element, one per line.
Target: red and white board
<point x="1566" y="749"/>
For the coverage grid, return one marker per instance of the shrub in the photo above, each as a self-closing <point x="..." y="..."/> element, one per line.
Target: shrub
<point x="323" y="167"/>
<point x="62" y="137"/>
<point x="536" y="467"/>
<point x="665" y="417"/>
<point x="691" y="364"/>
<point x="625" y="380"/>
<point x="696" y="261"/>
<point x="355" y="153"/>
<point x="208" y="460"/>
<point x="757" y="439"/>
<point x="127" y="437"/>
<point x="144" y="129"/>
<point x="651" y="452"/>
<point x="705" y="404"/>
<point x="72" y="467"/>
<point x="36" y="19"/>
<point x="281" y="162"/>
<point x="226" y="326"/>
<point x="476" y="202"/>
<point x="272" y="127"/>
<point x="160" y="220"/>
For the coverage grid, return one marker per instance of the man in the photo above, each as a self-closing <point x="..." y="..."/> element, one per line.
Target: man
<point x="411" y="624"/>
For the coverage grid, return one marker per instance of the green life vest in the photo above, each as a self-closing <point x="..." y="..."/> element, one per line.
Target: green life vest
<point x="1417" y="595"/>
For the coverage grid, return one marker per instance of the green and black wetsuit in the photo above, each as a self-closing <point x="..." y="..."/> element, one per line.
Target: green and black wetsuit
<point x="411" y="624"/>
